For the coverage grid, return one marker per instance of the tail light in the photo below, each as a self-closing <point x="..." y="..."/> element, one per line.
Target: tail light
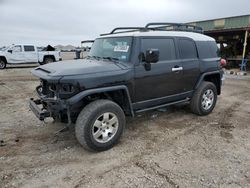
<point x="223" y="62"/>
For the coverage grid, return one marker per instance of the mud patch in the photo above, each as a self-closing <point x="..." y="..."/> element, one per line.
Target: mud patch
<point x="226" y="135"/>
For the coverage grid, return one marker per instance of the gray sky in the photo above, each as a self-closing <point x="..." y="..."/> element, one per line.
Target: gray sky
<point x="64" y="22"/>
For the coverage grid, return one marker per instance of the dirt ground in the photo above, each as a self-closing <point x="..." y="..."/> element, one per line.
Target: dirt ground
<point x="170" y="147"/>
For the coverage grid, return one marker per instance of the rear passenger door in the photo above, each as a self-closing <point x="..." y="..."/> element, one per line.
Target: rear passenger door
<point x="190" y="63"/>
<point x="30" y="54"/>
<point x="162" y="80"/>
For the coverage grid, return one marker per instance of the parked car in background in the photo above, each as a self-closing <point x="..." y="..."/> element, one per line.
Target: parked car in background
<point x="18" y="54"/>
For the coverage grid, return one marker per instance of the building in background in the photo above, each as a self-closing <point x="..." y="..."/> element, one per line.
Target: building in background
<point x="232" y="35"/>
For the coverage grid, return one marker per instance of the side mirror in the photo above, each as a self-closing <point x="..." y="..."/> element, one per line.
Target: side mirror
<point x="10" y="51"/>
<point x="152" y="56"/>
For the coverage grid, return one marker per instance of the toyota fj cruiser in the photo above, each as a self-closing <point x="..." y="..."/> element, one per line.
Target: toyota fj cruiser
<point x="128" y="71"/>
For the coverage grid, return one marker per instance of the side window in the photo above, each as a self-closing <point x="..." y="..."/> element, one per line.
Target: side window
<point x="165" y="46"/>
<point x="187" y="49"/>
<point x="207" y="49"/>
<point x="17" y="48"/>
<point x="204" y="49"/>
<point x="214" y="49"/>
<point x="29" y="48"/>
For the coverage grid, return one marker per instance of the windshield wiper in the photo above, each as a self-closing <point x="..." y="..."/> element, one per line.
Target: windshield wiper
<point x="111" y="59"/>
<point x="95" y="57"/>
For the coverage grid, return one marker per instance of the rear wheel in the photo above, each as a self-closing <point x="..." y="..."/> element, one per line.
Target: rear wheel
<point x="2" y="64"/>
<point x="100" y="125"/>
<point x="204" y="99"/>
<point x="48" y="60"/>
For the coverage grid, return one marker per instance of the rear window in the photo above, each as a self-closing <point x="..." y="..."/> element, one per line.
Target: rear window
<point x="187" y="49"/>
<point x="29" y="48"/>
<point x="207" y="49"/>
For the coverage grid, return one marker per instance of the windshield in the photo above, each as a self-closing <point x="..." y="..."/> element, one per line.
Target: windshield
<point x="115" y="48"/>
<point x="4" y="48"/>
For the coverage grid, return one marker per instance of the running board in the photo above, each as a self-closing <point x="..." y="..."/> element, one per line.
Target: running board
<point x="162" y="105"/>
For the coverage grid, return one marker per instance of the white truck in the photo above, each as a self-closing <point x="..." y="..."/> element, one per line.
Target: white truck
<point x="18" y="54"/>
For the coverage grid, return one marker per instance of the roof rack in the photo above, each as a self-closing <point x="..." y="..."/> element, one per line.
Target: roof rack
<point x="127" y="29"/>
<point x="159" y="26"/>
<point x="87" y="41"/>
<point x="165" y="26"/>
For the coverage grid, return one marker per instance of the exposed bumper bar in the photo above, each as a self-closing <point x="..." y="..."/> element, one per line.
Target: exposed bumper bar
<point x="40" y="113"/>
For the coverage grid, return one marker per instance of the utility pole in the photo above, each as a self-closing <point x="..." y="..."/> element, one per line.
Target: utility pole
<point x="243" y="63"/>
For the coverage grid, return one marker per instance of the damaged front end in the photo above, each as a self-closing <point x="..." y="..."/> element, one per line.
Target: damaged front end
<point x="52" y="101"/>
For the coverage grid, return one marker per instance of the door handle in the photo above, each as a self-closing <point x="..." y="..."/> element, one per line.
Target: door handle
<point x="175" y="69"/>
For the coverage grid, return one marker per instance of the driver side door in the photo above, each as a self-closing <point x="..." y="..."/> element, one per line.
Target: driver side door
<point x="162" y="83"/>
<point x="16" y="55"/>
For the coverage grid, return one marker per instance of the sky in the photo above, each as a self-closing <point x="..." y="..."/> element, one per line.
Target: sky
<point x="42" y="22"/>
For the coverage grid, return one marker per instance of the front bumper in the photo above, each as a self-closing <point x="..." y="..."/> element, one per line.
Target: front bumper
<point x="47" y="106"/>
<point x="40" y="113"/>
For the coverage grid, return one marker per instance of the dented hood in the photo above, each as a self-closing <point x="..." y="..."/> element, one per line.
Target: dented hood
<point x="74" y="67"/>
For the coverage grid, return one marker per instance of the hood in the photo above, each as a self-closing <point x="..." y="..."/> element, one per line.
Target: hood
<point x="75" y="67"/>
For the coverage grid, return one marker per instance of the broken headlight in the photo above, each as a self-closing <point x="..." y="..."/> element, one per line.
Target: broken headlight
<point x="66" y="88"/>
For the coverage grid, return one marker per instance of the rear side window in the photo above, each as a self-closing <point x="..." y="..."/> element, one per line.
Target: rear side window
<point x="165" y="46"/>
<point x="214" y="49"/>
<point x="187" y="49"/>
<point x="29" y="48"/>
<point x="207" y="49"/>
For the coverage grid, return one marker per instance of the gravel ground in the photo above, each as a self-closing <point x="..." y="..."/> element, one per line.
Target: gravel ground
<point x="170" y="147"/>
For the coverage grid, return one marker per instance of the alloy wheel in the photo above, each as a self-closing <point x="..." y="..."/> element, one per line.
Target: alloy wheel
<point x="105" y="127"/>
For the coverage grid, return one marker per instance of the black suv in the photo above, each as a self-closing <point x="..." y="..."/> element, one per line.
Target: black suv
<point x="128" y="71"/>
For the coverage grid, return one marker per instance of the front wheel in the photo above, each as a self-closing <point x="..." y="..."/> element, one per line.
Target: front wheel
<point x="2" y="64"/>
<point x="100" y="125"/>
<point x="204" y="99"/>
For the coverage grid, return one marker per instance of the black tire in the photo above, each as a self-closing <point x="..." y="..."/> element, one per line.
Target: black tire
<point x="2" y="64"/>
<point x="85" y="125"/>
<point x="196" y="104"/>
<point x="47" y="60"/>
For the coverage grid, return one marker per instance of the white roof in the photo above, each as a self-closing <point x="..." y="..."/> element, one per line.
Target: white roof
<point x="192" y="35"/>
